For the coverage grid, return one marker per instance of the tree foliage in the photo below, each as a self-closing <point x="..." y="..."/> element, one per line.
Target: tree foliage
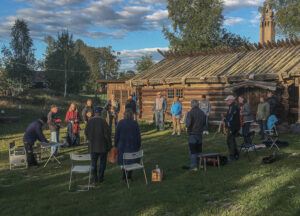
<point x="197" y="25"/>
<point x="287" y="16"/>
<point x="126" y="74"/>
<point x="19" y="57"/>
<point x="66" y="70"/>
<point x="103" y="63"/>
<point x="144" y="63"/>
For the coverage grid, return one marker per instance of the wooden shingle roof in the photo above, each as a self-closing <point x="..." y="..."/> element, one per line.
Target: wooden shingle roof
<point x="252" y="62"/>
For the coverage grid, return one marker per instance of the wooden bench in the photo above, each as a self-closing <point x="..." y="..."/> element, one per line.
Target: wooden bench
<point x="205" y="156"/>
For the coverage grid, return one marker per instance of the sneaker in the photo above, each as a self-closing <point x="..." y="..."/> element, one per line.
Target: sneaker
<point x="173" y="133"/>
<point x="178" y="133"/>
<point x="194" y="170"/>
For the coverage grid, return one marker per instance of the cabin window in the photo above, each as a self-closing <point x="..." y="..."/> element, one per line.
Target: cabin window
<point x="179" y="93"/>
<point x="170" y="93"/>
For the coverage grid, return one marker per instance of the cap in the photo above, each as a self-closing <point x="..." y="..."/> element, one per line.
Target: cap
<point x="98" y="109"/>
<point x="229" y="97"/>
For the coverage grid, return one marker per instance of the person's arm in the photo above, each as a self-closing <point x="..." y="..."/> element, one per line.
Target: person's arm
<point x="165" y="105"/>
<point x="40" y="136"/>
<point x="117" y="135"/>
<point x="154" y="105"/>
<point x="118" y="109"/>
<point x="267" y="106"/>
<point x="84" y="117"/>
<point x="188" y="121"/>
<point x="246" y="111"/>
<point x="209" y="109"/>
<point x="106" y="106"/>
<point x="67" y="117"/>
<point x="138" y="133"/>
<point x="108" y="136"/>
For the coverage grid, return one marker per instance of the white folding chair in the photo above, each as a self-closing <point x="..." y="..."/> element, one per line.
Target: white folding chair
<point x="17" y="156"/>
<point x="133" y="166"/>
<point x="80" y="168"/>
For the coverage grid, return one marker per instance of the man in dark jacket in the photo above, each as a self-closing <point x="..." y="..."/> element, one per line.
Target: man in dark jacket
<point x="130" y="104"/>
<point x="195" y="123"/>
<point x="232" y="121"/>
<point x="99" y="136"/>
<point x="88" y="111"/>
<point x="273" y="103"/>
<point x="33" y="132"/>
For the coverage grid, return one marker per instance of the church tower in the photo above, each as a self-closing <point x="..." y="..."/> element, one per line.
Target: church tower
<point x="267" y="26"/>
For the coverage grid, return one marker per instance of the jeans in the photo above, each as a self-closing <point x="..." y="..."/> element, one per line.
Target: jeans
<point x="176" y="123"/>
<point x="103" y="159"/>
<point x="113" y="116"/>
<point x="206" y="124"/>
<point x="30" y="156"/>
<point x="263" y="127"/>
<point x="245" y="131"/>
<point x="54" y="138"/>
<point x="195" y="149"/>
<point x="231" y="143"/>
<point x="159" y="115"/>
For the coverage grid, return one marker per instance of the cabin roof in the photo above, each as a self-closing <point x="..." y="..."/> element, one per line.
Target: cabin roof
<point x="271" y="61"/>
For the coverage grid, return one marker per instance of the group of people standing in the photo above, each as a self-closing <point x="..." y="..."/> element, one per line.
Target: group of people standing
<point x="241" y="116"/>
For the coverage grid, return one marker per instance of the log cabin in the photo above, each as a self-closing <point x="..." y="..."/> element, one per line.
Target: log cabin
<point x="251" y="70"/>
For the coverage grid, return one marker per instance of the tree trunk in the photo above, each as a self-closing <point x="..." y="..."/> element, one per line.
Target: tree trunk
<point x="65" y="92"/>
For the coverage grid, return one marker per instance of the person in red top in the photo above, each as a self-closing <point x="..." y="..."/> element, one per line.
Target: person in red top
<point x="73" y="119"/>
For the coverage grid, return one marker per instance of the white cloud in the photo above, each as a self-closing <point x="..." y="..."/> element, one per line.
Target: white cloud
<point x="256" y="18"/>
<point x="231" y="21"/>
<point x="129" y="56"/>
<point x="237" y="4"/>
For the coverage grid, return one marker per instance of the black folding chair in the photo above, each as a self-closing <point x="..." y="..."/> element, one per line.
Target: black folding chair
<point x="272" y="137"/>
<point x="247" y="147"/>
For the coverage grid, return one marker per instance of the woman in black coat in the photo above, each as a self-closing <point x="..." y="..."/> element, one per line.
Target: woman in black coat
<point x="127" y="139"/>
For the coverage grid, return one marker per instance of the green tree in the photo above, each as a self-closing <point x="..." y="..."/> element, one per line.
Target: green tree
<point x="65" y="68"/>
<point x="103" y="63"/>
<point x="144" y="63"/>
<point x="287" y="16"/>
<point x="197" y="25"/>
<point x="126" y="74"/>
<point x="19" y="57"/>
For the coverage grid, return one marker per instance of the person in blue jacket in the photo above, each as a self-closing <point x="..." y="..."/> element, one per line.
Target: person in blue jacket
<point x="176" y="110"/>
<point x="127" y="140"/>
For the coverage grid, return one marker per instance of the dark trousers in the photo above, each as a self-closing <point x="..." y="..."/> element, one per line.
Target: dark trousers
<point x="30" y="156"/>
<point x="195" y="148"/>
<point x="263" y="127"/>
<point x="72" y="138"/>
<point x="231" y="143"/>
<point x="113" y="116"/>
<point x="103" y="159"/>
<point x="245" y="131"/>
<point x="129" y="174"/>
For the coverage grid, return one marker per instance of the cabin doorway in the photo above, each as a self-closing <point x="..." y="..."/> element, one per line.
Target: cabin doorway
<point x="252" y="94"/>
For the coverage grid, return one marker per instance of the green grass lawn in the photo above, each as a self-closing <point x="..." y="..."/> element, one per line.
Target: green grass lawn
<point x="239" y="188"/>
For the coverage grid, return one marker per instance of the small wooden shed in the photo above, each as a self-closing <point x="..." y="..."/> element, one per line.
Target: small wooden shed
<point x="251" y="71"/>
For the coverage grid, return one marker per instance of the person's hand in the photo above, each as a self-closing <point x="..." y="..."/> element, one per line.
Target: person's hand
<point x="85" y="122"/>
<point x="72" y="122"/>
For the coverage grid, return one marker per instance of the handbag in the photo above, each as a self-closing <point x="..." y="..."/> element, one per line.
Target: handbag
<point x="112" y="157"/>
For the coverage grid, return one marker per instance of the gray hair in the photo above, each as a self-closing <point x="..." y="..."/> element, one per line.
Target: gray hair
<point x="194" y="103"/>
<point x="128" y="114"/>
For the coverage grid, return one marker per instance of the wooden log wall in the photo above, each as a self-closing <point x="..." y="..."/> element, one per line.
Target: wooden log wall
<point x="214" y="93"/>
<point x="122" y="92"/>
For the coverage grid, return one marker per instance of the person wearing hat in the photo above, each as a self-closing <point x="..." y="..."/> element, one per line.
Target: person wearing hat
<point x="159" y="108"/>
<point x="232" y="122"/>
<point x="205" y="106"/>
<point x="99" y="135"/>
<point x="54" y="125"/>
<point x="34" y="132"/>
<point x="131" y="104"/>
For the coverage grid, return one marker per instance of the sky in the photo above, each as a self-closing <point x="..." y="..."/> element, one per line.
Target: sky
<point x="131" y="27"/>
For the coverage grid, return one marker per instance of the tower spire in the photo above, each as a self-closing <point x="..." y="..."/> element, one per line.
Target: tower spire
<point x="267" y="26"/>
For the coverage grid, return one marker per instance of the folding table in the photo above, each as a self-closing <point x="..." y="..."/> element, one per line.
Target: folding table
<point x="47" y="146"/>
